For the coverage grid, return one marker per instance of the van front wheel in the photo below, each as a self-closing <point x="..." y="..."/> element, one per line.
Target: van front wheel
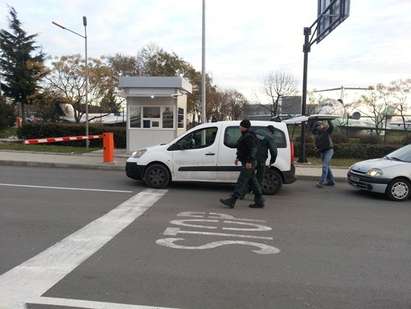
<point x="157" y="176"/>
<point x="272" y="182"/>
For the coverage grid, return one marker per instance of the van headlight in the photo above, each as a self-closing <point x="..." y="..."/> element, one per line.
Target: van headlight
<point x="374" y="172"/>
<point x="139" y="153"/>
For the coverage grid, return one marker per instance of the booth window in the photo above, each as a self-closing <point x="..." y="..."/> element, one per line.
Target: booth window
<point x="180" y="118"/>
<point x="168" y="118"/>
<point x="147" y="117"/>
<point x="135" y="116"/>
<point x="151" y="112"/>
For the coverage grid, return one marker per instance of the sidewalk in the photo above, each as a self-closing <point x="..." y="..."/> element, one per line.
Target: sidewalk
<point x="94" y="160"/>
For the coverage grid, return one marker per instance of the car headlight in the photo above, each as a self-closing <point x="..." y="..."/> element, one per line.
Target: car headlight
<point x="139" y="153"/>
<point x="374" y="172"/>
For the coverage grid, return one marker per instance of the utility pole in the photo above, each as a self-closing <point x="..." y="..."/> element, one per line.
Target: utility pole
<point x="87" y="69"/>
<point x="87" y="79"/>
<point x="203" y="70"/>
<point x="306" y="49"/>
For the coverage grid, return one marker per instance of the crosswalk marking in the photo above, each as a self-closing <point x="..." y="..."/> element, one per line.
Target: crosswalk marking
<point x="37" y="275"/>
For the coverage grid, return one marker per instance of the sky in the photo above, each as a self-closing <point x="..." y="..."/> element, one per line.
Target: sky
<point x="245" y="39"/>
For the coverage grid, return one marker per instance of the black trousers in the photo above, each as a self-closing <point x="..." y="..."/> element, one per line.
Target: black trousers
<point x="260" y="169"/>
<point x="248" y="180"/>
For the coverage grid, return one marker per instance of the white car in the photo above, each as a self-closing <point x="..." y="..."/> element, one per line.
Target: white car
<point x="207" y="153"/>
<point x="390" y="175"/>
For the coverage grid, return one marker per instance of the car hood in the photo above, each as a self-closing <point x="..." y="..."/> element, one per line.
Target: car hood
<point x="157" y="147"/>
<point x="365" y="166"/>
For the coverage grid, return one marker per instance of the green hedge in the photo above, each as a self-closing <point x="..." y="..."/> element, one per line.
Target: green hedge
<point x="59" y="129"/>
<point x="356" y="151"/>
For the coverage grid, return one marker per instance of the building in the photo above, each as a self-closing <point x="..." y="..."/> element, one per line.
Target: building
<point x="156" y="109"/>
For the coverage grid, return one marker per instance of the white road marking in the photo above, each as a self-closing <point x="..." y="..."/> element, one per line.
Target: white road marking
<point x="214" y="215"/>
<point x="197" y="217"/>
<point x="62" y="188"/>
<point x="174" y="231"/>
<point x="75" y="303"/>
<point x="37" y="275"/>
<point x="252" y="227"/>
<point x="262" y="248"/>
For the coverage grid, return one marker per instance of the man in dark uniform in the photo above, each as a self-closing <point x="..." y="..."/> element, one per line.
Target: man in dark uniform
<point x="247" y="155"/>
<point x="266" y="144"/>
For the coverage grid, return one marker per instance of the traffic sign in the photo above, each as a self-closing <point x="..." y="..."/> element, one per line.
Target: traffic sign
<point x="331" y="13"/>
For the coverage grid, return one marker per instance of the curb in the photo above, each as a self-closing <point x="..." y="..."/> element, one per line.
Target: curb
<point x="61" y="165"/>
<point x="113" y="168"/>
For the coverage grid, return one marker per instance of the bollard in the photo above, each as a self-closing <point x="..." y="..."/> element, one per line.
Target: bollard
<point x="108" y="147"/>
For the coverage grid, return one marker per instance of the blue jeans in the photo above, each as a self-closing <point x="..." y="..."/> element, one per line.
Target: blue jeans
<point x="327" y="176"/>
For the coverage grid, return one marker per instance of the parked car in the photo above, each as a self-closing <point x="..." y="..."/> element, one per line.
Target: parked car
<point x="207" y="153"/>
<point x="390" y="175"/>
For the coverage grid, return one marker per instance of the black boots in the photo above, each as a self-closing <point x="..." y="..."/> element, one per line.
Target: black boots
<point x="257" y="205"/>
<point x="258" y="202"/>
<point x="229" y="202"/>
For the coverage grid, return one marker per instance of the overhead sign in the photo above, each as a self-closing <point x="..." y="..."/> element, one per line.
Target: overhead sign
<point x="331" y="13"/>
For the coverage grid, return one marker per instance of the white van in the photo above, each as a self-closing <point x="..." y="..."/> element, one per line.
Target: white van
<point x="206" y="153"/>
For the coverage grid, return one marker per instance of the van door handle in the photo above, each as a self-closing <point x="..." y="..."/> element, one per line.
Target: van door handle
<point x="210" y="154"/>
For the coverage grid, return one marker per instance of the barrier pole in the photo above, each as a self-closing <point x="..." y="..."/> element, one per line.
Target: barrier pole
<point x="108" y="147"/>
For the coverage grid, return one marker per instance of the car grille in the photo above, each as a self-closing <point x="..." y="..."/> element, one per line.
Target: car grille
<point x="358" y="172"/>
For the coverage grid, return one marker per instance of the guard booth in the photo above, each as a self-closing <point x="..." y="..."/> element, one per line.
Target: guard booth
<point x="156" y="109"/>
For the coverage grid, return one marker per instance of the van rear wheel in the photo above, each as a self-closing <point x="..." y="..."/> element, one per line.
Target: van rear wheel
<point x="272" y="182"/>
<point x="157" y="176"/>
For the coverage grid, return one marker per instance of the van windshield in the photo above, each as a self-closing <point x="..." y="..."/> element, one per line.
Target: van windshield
<point x="402" y="154"/>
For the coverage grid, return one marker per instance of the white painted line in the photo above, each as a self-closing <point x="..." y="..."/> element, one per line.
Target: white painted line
<point x="37" y="275"/>
<point x="261" y="248"/>
<point x="86" y="304"/>
<point x="174" y="231"/>
<point x="62" y="188"/>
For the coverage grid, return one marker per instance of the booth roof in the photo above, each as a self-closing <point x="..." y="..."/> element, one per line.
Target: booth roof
<point x="155" y="82"/>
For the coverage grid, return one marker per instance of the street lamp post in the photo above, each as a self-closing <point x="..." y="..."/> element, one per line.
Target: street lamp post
<point x="203" y="70"/>
<point x="86" y="64"/>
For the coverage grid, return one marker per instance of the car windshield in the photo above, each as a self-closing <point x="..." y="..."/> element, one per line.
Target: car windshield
<point x="402" y="154"/>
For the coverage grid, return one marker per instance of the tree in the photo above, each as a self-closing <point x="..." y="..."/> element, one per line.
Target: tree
<point x="400" y="91"/>
<point x="7" y="116"/>
<point x="67" y="79"/>
<point x="155" y="61"/>
<point x="124" y="65"/>
<point x="278" y="85"/>
<point x="47" y="105"/>
<point x="379" y="105"/>
<point x="21" y="65"/>
<point x="225" y="104"/>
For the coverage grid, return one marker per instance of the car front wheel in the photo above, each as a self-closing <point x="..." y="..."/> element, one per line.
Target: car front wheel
<point x="399" y="189"/>
<point x="157" y="176"/>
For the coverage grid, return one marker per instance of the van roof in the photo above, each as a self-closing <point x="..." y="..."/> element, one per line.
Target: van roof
<point x="253" y="122"/>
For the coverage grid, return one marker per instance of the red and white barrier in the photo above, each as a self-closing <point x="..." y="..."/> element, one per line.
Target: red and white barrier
<point x="60" y="139"/>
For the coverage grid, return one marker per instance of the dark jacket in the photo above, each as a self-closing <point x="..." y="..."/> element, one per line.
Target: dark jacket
<point x="323" y="140"/>
<point x="247" y="147"/>
<point x="266" y="143"/>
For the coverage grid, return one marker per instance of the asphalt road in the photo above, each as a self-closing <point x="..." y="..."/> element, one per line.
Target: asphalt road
<point x="111" y="243"/>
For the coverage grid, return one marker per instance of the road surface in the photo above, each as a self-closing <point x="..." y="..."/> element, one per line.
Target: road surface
<point x="96" y="239"/>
